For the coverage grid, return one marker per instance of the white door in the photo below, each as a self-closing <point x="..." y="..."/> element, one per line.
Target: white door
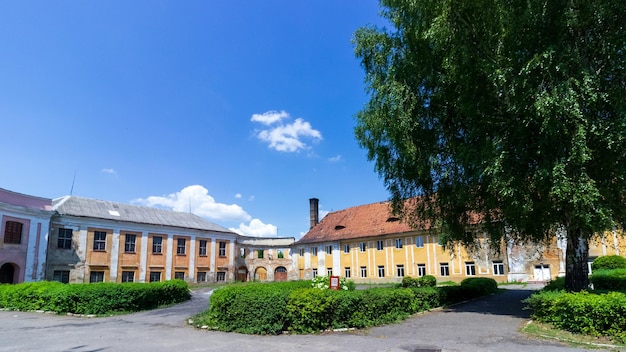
<point x="542" y="272"/>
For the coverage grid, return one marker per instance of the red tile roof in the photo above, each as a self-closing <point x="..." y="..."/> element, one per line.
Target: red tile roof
<point x="361" y="221"/>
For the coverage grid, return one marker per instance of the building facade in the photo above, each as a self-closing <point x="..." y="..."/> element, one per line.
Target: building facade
<point x="368" y="244"/>
<point x="101" y="241"/>
<point x="80" y="240"/>
<point x="24" y="227"/>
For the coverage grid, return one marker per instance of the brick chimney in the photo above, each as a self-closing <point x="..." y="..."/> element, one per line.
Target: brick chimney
<point x="314" y="214"/>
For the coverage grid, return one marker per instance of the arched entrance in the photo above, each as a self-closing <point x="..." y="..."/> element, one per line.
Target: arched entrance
<point x="242" y="274"/>
<point x="7" y="273"/>
<point x="280" y="274"/>
<point x="260" y="274"/>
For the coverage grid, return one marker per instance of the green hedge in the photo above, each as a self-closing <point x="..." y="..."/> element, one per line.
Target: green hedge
<point x="272" y="308"/>
<point x="609" y="280"/>
<point x="424" y="281"/>
<point x="101" y="298"/>
<point x="254" y="308"/>
<point x="609" y="262"/>
<point x="582" y="312"/>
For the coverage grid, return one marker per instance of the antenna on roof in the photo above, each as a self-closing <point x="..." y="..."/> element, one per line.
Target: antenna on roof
<point x="73" y="180"/>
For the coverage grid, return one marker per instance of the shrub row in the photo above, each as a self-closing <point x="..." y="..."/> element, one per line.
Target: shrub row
<point x="100" y="298"/>
<point x="609" y="280"/>
<point x="296" y="307"/>
<point x="609" y="262"/>
<point x="424" y="281"/>
<point x="582" y="312"/>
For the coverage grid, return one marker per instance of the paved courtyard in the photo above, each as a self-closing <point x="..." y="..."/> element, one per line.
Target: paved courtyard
<point x="489" y="324"/>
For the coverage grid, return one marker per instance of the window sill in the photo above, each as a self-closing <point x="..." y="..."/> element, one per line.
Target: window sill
<point x="157" y="253"/>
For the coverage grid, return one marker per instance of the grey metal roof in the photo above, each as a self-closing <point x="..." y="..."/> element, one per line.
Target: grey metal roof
<point x="102" y="209"/>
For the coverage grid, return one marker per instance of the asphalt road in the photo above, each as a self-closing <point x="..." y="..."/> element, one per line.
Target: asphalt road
<point x="488" y="324"/>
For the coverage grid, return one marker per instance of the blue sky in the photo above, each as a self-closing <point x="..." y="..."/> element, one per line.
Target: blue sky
<point x="238" y="110"/>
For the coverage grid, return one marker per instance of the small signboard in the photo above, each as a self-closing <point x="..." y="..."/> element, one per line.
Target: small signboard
<point x="334" y="283"/>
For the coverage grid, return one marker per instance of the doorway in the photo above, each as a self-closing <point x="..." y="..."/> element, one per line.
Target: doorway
<point x="7" y="273"/>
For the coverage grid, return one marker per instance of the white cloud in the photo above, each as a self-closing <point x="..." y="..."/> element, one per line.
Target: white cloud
<point x="256" y="228"/>
<point x="238" y="195"/>
<point x="268" y="118"/>
<point x="285" y="137"/>
<point x="109" y="171"/>
<point x="197" y="199"/>
<point x="335" y="159"/>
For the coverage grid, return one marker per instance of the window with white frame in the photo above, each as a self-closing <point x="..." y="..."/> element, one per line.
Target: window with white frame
<point x="346" y="272"/>
<point x="470" y="269"/>
<point x="313" y="251"/>
<point x="201" y="276"/>
<point x="221" y="276"/>
<point x="301" y="252"/>
<point x="96" y="276"/>
<point x="128" y="276"/>
<point x="129" y="243"/>
<point x="346" y="248"/>
<point x="314" y="272"/>
<point x="222" y="249"/>
<point x="379" y="245"/>
<point x="498" y="267"/>
<point x="419" y="241"/>
<point x="329" y="272"/>
<point x="363" y="271"/>
<point x="157" y="244"/>
<point x="179" y="275"/>
<point x="202" y="248"/>
<point x="400" y="270"/>
<point x="421" y="270"/>
<point x="398" y="243"/>
<point x="99" y="240"/>
<point x="181" y="245"/>
<point x="328" y="249"/>
<point x="444" y="269"/>
<point x="155" y="276"/>
<point x="381" y="271"/>
<point x="65" y="239"/>
<point x="363" y="246"/>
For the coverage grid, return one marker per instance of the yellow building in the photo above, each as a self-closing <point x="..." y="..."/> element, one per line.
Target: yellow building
<point x="367" y="243"/>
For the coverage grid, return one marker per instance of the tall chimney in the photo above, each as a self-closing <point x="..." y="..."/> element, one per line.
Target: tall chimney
<point x="314" y="214"/>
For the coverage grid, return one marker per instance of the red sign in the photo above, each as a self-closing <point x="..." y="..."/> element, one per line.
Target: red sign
<point x="334" y="283"/>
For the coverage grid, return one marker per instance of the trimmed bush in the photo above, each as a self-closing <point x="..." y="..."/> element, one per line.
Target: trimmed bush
<point x="557" y="284"/>
<point x="424" y="281"/>
<point x="272" y="308"/>
<point x="101" y="298"/>
<point x="609" y="280"/>
<point x="254" y="308"/>
<point x="582" y="312"/>
<point x="479" y="286"/>
<point x="609" y="262"/>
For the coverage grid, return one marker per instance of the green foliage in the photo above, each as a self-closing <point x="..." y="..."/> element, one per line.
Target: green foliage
<point x="272" y="308"/>
<point x="513" y="111"/>
<point x="557" y="284"/>
<point x="323" y="283"/>
<point x="609" y="262"/>
<point x="424" y="281"/>
<point x="101" y="298"/>
<point x="479" y="286"/>
<point x="582" y="312"/>
<point x="610" y="280"/>
<point x="254" y="308"/>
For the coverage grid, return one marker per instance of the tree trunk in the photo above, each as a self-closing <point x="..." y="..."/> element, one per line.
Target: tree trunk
<point x="576" y="255"/>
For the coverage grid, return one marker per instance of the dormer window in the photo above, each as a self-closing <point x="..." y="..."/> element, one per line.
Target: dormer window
<point x="393" y="219"/>
<point x="339" y="227"/>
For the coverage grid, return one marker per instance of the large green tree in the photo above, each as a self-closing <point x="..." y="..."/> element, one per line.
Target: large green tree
<point x="512" y="111"/>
